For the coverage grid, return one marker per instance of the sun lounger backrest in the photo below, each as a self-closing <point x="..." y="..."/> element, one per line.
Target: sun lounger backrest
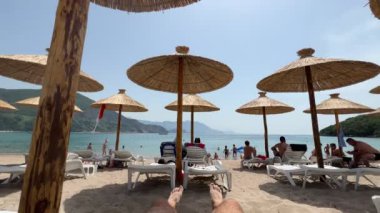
<point x="294" y="152"/>
<point x="195" y="152"/>
<point x="71" y="156"/>
<point x="167" y="149"/>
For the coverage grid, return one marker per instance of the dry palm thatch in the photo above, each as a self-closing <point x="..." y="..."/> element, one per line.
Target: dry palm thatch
<point x="180" y="73"/>
<point x="114" y="102"/>
<point x="199" y="74"/>
<point x="375" y="90"/>
<point x="193" y="103"/>
<point x="327" y="74"/>
<point x="271" y="106"/>
<point x="31" y="68"/>
<point x="143" y="5"/>
<point x="6" y="106"/>
<point x="263" y="106"/>
<point x="338" y="105"/>
<point x="35" y="101"/>
<point x="375" y="7"/>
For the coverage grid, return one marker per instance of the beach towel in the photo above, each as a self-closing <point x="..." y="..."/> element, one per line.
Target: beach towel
<point x="298" y="147"/>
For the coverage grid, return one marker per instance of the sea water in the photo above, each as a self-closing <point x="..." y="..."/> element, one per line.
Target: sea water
<point x="148" y="145"/>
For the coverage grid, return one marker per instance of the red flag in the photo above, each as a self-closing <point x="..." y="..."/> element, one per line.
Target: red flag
<point x="100" y="115"/>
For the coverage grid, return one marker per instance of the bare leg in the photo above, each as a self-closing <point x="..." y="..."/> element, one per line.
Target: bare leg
<point x="219" y="205"/>
<point x="167" y="206"/>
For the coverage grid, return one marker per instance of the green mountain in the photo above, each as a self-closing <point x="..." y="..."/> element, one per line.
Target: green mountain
<point x="23" y="119"/>
<point x="359" y="126"/>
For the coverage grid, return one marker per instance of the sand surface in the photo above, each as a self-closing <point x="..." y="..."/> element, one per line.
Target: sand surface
<point x="106" y="191"/>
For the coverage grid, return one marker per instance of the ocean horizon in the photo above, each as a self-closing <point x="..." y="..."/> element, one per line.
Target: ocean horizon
<point x="148" y="144"/>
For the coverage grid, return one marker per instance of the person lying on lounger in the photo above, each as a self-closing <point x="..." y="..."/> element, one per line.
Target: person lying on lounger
<point x="362" y="153"/>
<point x="219" y="205"/>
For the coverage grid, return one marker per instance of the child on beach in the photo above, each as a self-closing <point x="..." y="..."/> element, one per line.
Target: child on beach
<point x="89" y="147"/>
<point x="216" y="157"/>
<point x="104" y="147"/>
<point x="226" y="152"/>
<point x="234" y="151"/>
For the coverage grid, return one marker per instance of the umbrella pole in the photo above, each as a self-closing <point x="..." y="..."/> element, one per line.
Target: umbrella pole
<point x="314" y="119"/>
<point x="192" y="124"/>
<point x="179" y="125"/>
<point x="265" y="133"/>
<point x="42" y="187"/>
<point x="118" y="128"/>
<point x="337" y="126"/>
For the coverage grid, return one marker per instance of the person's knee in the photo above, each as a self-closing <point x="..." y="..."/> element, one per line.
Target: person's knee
<point x="228" y="206"/>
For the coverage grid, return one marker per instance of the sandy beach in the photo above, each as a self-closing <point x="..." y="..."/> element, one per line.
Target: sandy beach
<point x="106" y="191"/>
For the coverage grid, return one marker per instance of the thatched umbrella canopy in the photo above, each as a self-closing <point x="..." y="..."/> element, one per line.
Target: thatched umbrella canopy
<point x="263" y="106"/>
<point x="6" y="106"/>
<point x="143" y="6"/>
<point x="375" y="90"/>
<point x="193" y="103"/>
<point x="121" y="103"/>
<point x="31" y="69"/>
<point x="35" y="102"/>
<point x="311" y="73"/>
<point x="180" y="73"/>
<point x="336" y="105"/>
<point x="45" y="174"/>
<point x="375" y="7"/>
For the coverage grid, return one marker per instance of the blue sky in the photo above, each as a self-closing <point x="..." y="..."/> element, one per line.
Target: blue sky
<point x="254" y="38"/>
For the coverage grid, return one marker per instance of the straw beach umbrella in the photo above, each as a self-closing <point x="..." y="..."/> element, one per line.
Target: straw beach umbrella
<point x="336" y="105"/>
<point x="143" y="5"/>
<point x="314" y="74"/>
<point x="375" y="90"/>
<point x="120" y="103"/>
<point x="31" y="68"/>
<point x="6" y="106"/>
<point x="180" y="73"/>
<point x="264" y="106"/>
<point x="34" y="102"/>
<point x="375" y="7"/>
<point x="44" y="175"/>
<point x="193" y="103"/>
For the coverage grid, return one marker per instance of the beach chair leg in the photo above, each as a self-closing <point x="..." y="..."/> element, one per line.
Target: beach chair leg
<point x="130" y="179"/>
<point x="229" y="181"/>
<point x="185" y="180"/>
<point x="357" y="181"/>
<point x="369" y="180"/>
<point x="172" y="180"/>
<point x="287" y="175"/>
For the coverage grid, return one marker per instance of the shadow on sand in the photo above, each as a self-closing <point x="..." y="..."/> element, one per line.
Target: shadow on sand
<point x="320" y="195"/>
<point x="116" y="198"/>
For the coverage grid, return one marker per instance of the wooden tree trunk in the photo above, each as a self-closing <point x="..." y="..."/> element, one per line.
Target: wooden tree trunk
<point x="192" y="124"/>
<point x="265" y="133"/>
<point x="179" y="125"/>
<point x="118" y="129"/>
<point x="42" y="187"/>
<point x="314" y="119"/>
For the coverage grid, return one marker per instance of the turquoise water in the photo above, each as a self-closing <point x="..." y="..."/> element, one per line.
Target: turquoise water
<point x="148" y="144"/>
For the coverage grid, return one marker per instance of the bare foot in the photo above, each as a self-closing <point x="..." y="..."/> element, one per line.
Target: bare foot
<point x="216" y="195"/>
<point x="175" y="196"/>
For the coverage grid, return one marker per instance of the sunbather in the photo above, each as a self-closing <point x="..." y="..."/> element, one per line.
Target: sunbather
<point x="249" y="151"/>
<point x="219" y="205"/>
<point x="362" y="152"/>
<point x="280" y="148"/>
<point x="335" y="152"/>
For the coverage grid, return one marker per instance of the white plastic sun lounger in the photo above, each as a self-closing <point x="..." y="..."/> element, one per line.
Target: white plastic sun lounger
<point x="216" y="169"/>
<point x="362" y="172"/>
<point x="287" y="170"/>
<point x="376" y="201"/>
<point x="14" y="171"/>
<point x="74" y="165"/>
<point x="149" y="169"/>
<point x="329" y="174"/>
